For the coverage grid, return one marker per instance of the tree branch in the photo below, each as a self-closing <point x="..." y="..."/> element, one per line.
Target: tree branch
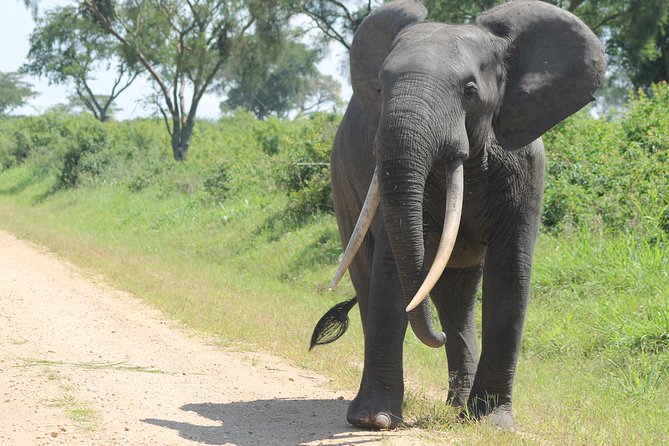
<point x="107" y="26"/>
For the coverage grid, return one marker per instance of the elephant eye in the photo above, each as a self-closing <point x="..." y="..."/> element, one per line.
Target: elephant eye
<point x="471" y="90"/>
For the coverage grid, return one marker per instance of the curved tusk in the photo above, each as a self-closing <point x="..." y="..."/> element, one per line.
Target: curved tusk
<point x="364" y="220"/>
<point x="454" y="197"/>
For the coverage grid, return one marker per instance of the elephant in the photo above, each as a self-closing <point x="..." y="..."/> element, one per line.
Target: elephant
<point x="437" y="175"/>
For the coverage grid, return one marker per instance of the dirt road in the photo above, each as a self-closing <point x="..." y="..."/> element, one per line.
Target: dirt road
<point x="84" y="364"/>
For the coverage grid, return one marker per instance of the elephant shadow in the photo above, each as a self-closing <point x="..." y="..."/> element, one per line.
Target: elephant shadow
<point x="279" y="422"/>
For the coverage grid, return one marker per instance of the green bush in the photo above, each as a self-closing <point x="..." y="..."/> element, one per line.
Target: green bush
<point x="305" y="174"/>
<point x="89" y="144"/>
<point x="40" y="140"/>
<point x="612" y="174"/>
<point x="216" y="182"/>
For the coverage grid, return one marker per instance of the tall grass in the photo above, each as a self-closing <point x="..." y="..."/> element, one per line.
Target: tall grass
<point x="239" y="242"/>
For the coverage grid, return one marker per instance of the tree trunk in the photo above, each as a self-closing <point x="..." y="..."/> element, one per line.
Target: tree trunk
<point x="181" y="140"/>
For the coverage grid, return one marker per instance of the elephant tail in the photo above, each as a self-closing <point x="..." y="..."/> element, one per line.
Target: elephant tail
<point x="333" y="324"/>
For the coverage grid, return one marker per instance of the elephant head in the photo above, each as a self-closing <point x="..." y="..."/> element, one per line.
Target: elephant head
<point x="439" y="94"/>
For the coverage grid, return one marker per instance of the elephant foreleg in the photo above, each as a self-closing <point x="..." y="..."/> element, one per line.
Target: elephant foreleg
<point x="506" y="285"/>
<point x="378" y="404"/>
<point x="455" y="299"/>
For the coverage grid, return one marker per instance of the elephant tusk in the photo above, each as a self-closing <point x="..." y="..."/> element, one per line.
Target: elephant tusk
<point x="454" y="198"/>
<point x="372" y="201"/>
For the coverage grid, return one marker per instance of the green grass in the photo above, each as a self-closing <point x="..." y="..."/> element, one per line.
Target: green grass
<point x="119" y="365"/>
<point x="81" y="415"/>
<point x="238" y="243"/>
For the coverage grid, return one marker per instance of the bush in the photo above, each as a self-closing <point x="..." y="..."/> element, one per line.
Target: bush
<point x="42" y="140"/>
<point x="88" y="154"/>
<point x="305" y="175"/>
<point x="612" y="174"/>
<point x="216" y="182"/>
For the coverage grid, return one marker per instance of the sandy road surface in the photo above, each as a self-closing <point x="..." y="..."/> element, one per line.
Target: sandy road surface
<point x="84" y="364"/>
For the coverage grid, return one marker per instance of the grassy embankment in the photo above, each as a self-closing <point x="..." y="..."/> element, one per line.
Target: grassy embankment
<point x="238" y="242"/>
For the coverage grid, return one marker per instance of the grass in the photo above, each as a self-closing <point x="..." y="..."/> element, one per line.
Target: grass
<point x="81" y="415"/>
<point x="245" y="267"/>
<point x="93" y="365"/>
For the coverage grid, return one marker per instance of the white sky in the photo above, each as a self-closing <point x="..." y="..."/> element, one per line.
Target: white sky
<point x="16" y="25"/>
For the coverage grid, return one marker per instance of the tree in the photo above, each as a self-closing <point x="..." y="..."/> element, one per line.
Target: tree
<point x="31" y="5"/>
<point x="337" y="20"/>
<point x="13" y="92"/>
<point x="640" y="45"/>
<point x="183" y="44"/>
<point x="75" y="104"/>
<point x="292" y="82"/>
<point x="68" y="46"/>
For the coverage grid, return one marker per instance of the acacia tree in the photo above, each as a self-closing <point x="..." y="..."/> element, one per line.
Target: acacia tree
<point x="13" y="92"/>
<point x="290" y="82"/>
<point x="67" y="46"/>
<point x="75" y="105"/>
<point x="183" y="44"/>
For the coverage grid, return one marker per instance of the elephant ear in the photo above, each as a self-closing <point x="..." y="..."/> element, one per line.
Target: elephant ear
<point x="554" y="65"/>
<point x="371" y="45"/>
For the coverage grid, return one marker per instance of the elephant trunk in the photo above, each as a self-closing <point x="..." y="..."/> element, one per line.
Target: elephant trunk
<point x="403" y="184"/>
<point x="407" y="155"/>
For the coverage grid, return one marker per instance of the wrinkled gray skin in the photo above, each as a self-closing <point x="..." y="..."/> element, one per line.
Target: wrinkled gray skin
<point x="425" y="94"/>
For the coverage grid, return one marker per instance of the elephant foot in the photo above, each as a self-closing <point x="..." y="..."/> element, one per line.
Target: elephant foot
<point x="503" y="419"/>
<point x="458" y="398"/>
<point x="499" y="415"/>
<point x="376" y="412"/>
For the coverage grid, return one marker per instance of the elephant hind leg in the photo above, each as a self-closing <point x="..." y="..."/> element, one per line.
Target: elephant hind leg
<point x="455" y="299"/>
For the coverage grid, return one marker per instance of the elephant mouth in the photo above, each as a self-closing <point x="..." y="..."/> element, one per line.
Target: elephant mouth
<point x="452" y="215"/>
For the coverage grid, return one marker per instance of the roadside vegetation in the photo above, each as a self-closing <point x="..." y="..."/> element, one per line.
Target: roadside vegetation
<point x="240" y="242"/>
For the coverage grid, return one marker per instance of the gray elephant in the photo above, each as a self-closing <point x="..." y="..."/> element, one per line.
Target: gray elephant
<point x="443" y="131"/>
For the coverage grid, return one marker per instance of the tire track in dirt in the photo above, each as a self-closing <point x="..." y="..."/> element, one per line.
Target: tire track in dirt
<point x="82" y="363"/>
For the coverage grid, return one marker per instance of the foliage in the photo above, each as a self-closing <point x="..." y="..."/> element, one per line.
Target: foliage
<point x="13" y="92"/>
<point x="71" y="148"/>
<point x="67" y="46"/>
<point x="183" y="46"/>
<point x="612" y="174"/>
<point x="32" y="6"/>
<point x="216" y="182"/>
<point x="336" y="20"/>
<point x="291" y="82"/>
<point x="639" y="43"/>
<point x="463" y="11"/>
<point x="304" y="168"/>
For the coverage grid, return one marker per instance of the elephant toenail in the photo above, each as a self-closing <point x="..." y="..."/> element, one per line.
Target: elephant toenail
<point x="382" y="421"/>
<point x="361" y="419"/>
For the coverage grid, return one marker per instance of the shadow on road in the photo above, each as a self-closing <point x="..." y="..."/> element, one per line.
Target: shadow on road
<point x="279" y="422"/>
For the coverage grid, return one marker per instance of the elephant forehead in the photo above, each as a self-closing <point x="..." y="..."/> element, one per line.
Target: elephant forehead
<point x="436" y="47"/>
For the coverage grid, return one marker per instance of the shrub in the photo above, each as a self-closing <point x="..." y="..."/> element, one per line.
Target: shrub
<point x="87" y="154"/>
<point x="612" y="174"/>
<point x="305" y="175"/>
<point x="216" y="182"/>
<point x="40" y="140"/>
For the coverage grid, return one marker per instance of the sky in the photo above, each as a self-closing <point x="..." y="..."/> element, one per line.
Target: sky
<point x="16" y="24"/>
